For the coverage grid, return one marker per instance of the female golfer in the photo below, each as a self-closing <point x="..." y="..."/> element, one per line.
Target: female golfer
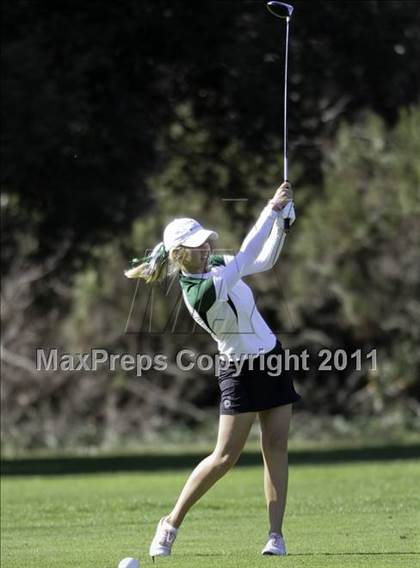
<point x="223" y="305"/>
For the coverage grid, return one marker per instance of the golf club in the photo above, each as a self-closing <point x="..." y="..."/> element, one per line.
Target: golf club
<point x="283" y="11"/>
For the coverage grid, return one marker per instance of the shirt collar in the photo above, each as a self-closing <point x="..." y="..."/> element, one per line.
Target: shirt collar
<point x="197" y="275"/>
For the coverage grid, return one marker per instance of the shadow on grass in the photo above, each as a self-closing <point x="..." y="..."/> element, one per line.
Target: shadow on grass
<point x="291" y="554"/>
<point x="392" y="553"/>
<point x="156" y="462"/>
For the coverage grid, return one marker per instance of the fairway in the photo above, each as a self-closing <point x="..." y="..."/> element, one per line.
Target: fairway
<point x="356" y="513"/>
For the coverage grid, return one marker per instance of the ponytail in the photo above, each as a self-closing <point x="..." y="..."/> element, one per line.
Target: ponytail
<point x="149" y="267"/>
<point x="152" y="266"/>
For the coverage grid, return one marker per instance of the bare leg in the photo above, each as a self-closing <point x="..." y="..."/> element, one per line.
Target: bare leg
<point x="274" y="434"/>
<point x="233" y="433"/>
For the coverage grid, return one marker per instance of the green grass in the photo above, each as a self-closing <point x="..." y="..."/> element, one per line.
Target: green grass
<point x="340" y="513"/>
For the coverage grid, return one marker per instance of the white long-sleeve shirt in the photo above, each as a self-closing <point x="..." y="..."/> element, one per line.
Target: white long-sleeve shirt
<point x="221" y="303"/>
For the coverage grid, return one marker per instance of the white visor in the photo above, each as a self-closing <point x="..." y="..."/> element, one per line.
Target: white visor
<point x="187" y="232"/>
<point x="199" y="237"/>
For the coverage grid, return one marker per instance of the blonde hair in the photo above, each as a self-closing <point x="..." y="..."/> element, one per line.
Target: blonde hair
<point x="153" y="269"/>
<point x="159" y="263"/>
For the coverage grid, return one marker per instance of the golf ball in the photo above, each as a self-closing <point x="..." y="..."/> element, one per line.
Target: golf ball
<point x="129" y="563"/>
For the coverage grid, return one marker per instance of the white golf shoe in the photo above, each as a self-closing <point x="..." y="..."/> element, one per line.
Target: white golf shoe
<point x="275" y="545"/>
<point x="163" y="540"/>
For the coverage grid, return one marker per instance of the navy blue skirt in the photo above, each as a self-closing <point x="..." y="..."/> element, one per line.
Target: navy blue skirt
<point x="258" y="386"/>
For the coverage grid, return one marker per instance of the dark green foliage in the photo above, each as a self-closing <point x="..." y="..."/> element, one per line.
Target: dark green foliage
<point x="87" y="86"/>
<point x="356" y="253"/>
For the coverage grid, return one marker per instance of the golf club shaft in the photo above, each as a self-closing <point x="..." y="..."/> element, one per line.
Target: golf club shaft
<point x="285" y="158"/>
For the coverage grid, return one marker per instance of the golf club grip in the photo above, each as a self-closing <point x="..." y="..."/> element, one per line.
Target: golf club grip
<point x="286" y="225"/>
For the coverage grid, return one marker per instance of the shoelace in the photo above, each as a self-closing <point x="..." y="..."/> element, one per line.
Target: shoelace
<point x="168" y="538"/>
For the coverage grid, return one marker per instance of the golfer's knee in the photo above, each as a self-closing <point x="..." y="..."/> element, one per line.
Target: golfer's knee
<point x="223" y="461"/>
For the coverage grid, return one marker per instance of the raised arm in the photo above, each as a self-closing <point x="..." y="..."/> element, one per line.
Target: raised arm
<point x="260" y="248"/>
<point x="270" y="252"/>
<point x="226" y="277"/>
<point x="273" y="245"/>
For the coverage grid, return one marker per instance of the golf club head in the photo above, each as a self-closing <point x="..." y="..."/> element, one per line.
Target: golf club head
<point x="280" y="9"/>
